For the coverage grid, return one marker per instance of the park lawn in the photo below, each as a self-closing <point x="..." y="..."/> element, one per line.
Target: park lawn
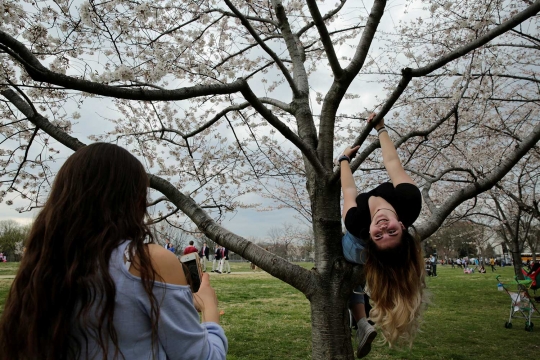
<point x="268" y="319"/>
<point x="8" y="268"/>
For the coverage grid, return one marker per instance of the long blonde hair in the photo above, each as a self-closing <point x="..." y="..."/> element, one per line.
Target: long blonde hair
<point x="396" y="281"/>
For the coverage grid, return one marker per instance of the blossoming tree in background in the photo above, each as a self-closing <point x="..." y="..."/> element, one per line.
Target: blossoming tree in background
<point x="226" y="98"/>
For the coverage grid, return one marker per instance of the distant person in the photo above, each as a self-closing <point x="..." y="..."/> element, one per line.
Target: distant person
<point x="224" y="265"/>
<point x="492" y="263"/>
<point x="217" y="258"/>
<point x="87" y="286"/>
<point x="191" y="248"/>
<point x="169" y="246"/>
<point x="428" y="267"/>
<point x="204" y="255"/>
<point x="433" y="260"/>
<point x="482" y="270"/>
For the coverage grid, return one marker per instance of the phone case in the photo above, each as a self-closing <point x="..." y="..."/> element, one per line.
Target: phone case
<point x="192" y="262"/>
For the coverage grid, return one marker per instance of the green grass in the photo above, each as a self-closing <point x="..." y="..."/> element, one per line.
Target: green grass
<point x="267" y="319"/>
<point x="8" y="268"/>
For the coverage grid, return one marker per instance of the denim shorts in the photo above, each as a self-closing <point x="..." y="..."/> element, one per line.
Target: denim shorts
<point x="353" y="250"/>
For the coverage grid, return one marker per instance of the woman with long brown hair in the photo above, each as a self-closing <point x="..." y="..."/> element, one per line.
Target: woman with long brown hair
<point x="93" y="285"/>
<point x="377" y="224"/>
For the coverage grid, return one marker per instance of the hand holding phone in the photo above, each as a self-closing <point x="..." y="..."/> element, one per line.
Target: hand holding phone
<point x="193" y="265"/>
<point x="205" y="301"/>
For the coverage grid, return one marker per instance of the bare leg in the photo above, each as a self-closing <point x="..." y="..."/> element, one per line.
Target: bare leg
<point x="358" y="311"/>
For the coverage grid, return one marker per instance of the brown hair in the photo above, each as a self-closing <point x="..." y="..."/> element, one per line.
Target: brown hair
<point x="97" y="201"/>
<point x="396" y="281"/>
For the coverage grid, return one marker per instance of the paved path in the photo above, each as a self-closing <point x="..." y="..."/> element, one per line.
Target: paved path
<point x="7" y="276"/>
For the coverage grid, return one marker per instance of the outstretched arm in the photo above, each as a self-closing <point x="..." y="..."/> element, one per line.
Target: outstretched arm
<point x="390" y="156"/>
<point x="348" y="187"/>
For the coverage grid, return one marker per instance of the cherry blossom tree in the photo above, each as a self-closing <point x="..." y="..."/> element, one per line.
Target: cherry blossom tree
<point x="511" y="208"/>
<point x="221" y="99"/>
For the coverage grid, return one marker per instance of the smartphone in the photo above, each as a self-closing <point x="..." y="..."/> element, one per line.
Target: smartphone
<point x="193" y="264"/>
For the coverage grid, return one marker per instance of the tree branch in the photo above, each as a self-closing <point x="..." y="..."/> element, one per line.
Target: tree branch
<point x="263" y="45"/>
<point x="296" y="51"/>
<point x="40" y="121"/>
<point x="254" y="18"/>
<point x="533" y="211"/>
<point x="375" y="15"/>
<point x="487" y="37"/>
<point x="40" y="73"/>
<point x="325" y="17"/>
<point x="284" y="130"/>
<point x="340" y="85"/>
<point x="472" y="190"/>
<point x="325" y="38"/>
<point x="294" y="275"/>
<point x="408" y="73"/>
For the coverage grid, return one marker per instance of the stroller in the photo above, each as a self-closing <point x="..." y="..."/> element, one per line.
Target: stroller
<point x="534" y="275"/>
<point x="522" y="304"/>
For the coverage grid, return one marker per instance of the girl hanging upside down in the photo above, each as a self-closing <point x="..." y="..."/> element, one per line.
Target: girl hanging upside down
<point x="377" y="237"/>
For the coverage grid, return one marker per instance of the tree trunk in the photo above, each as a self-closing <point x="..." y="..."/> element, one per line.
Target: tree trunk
<point x="331" y="335"/>
<point x="516" y="257"/>
<point x="335" y="277"/>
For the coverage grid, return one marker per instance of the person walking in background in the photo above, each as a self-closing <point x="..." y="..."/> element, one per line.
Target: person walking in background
<point x="433" y="260"/>
<point x="191" y="248"/>
<point x="204" y="254"/>
<point x="224" y="262"/>
<point x="217" y="258"/>
<point x="88" y="288"/>
<point x="492" y="263"/>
